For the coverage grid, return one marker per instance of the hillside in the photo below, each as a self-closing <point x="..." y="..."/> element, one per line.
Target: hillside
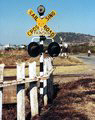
<point x="73" y="37"/>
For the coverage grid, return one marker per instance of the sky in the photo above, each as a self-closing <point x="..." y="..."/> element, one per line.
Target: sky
<point x="72" y="16"/>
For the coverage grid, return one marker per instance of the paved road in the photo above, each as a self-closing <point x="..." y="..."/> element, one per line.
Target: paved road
<point x="86" y="59"/>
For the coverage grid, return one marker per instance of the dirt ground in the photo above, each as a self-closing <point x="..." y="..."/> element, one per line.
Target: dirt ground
<point x="74" y="96"/>
<point x="74" y="99"/>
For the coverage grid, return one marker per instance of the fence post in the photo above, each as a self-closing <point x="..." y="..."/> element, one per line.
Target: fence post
<point x="50" y="81"/>
<point x="45" y="83"/>
<point x="20" y="92"/>
<point x="1" y="89"/>
<point x="49" y="64"/>
<point x="33" y="90"/>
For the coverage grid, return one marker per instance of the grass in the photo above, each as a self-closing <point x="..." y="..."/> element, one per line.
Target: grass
<point x="57" y="70"/>
<point x="13" y="72"/>
<point x="10" y="72"/>
<point x="14" y="56"/>
<point x="75" y="99"/>
<point x="80" y="67"/>
<point x="70" y="69"/>
<point x="66" y="61"/>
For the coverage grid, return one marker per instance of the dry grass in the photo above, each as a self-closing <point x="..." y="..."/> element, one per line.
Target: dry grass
<point x="74" y="97"/>
<point x="70" y="69"/>
<point x="12" y="72"/>
<point x="13" y="56"/>
<point x="66" y="61"/>
<point x="57" y="70"/>
<point x="75" y="100"/>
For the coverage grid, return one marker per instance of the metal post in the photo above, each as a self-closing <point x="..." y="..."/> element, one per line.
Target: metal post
<point x="42" y="38"/>
<point x="41" y="10"/>
<point x="41" y="65"/>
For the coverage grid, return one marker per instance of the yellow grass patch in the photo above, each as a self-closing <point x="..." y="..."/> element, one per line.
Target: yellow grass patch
<point x="13" y="72"/>
<point x="66" y="61"/>
<point x="70" y="69"/>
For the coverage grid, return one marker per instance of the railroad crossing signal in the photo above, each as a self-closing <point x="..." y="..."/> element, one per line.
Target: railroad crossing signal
<point x="54" y="49"/>
<point x="41" y="22"/>
<point x="35" y="49"/>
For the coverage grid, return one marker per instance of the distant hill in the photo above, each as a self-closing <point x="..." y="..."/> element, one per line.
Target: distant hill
<point x="71" y="37"/>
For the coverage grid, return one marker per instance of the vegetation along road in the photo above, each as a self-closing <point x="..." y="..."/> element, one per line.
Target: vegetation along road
<point x="87" y="60"/>
<point x="75" y="99"/>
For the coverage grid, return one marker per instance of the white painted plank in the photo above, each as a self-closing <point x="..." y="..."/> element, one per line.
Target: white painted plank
<point x="20" y="71"/>
<point x="1" y="103"/>
<point x="21" y="102"/>
<point x="20" y="92"/>
<point x="34" y="99"/>
<point x="32" y="70"/>
<point x="1" y="89"/>
<point x="1" y="72"/>
<point x="45" y="93"/>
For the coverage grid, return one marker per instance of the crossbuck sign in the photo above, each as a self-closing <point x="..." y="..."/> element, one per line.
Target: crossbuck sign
<point x="41" y="23"/>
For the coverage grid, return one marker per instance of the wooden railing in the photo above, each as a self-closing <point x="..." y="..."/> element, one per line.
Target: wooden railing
<point x="33" y="80"/>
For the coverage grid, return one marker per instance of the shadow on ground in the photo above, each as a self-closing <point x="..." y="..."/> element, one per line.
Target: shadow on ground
<point x="74" y="101"/>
